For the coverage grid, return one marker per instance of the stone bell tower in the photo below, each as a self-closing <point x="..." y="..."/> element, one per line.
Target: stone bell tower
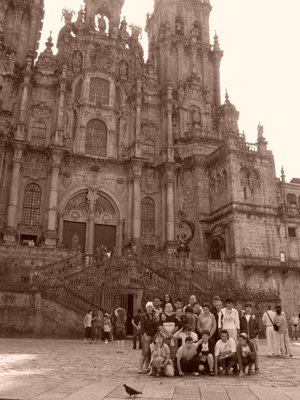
<point x="179" y="42"/>
<point x="100" y="9"/>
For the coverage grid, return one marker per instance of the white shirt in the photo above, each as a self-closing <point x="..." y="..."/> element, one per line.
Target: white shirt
<point x="231" y="319"/>
<point x="266" y="319"/>
<point x="183" y="336"/>
<point x="222" y="348"/>
<point x="247" y="317"/>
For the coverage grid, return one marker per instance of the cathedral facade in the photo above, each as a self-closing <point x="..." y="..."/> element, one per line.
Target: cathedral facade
<point x="100" y="148"/>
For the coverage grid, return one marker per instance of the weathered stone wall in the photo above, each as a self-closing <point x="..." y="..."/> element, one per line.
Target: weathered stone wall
<point x="25" y="314"/>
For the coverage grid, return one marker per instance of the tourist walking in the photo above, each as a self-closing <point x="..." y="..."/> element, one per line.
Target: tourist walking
<point x="106" y="328"/>
<point x="268" y="319"/>
<point x="121" y="318"/>
<point x="98" y="326"/>
<point x="136" y="323"/>
<point x="295" y="326"/>
<point x="283" y="342"/>
<point x="88" y="326"/>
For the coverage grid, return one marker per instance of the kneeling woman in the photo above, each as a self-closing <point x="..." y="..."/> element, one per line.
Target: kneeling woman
<point x="246" y="354"/>
<point x="161" y="362"/>
<point x="225" y="354"/>
<point x="206" y="353"/>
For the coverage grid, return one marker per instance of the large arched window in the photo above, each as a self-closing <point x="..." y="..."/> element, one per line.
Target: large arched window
<point x="148" y="217"/>
<point x="99" y="91"/>
<point x="31" y="205"/>
<point x="38" y="134"/>
<point x="149" y="151"/>
<point x="96" y="138"/>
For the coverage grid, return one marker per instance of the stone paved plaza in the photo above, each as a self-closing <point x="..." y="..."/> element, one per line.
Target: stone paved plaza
<point x="66" y="369"/>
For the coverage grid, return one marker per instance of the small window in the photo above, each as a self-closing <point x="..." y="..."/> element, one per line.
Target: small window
<point x="99" y="91"/>
<point x="149" y="151"/>
<point x="282" y="257"/>
<point x="31" y="205"/>
<point x="38" y="134"/>
<point x="292" y="232"/>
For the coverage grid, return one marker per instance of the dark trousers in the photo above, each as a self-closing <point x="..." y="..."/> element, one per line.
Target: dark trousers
<point x="98" y="331"/>
<point x="228" y="362"/>
<point x="136" y="336"/>
<point x="190" y="366"/>
<point x="249" y="360"/>
<point x="88" y="333"/>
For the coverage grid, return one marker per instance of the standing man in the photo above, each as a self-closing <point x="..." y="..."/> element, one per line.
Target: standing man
<point x="206" y="321"/>
<point x="230" y="320"/>
<point x="136" y="323"/>
<point x="192" y="301"/>
<point x="250" y="325"/>
<point x="268" y="320"/>
<point x="217" y="314"/>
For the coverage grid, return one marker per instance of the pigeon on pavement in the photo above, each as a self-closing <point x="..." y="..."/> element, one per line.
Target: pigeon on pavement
<point x="131" y="392"/>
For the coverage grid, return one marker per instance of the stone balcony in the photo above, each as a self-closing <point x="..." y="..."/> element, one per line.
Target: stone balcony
<point x="286" y="211"/>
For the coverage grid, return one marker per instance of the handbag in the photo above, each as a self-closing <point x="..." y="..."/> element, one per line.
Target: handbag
<point x="275" y="326"/>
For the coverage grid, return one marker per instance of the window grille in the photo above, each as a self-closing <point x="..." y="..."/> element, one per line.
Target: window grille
<point x="99" y="91"/>
<point x="31" y="205"/>
<point x="96" y="138"/>
<point x="148" y="217"/>
<point x="149" y="151"/>
<point x="38" y="134"/>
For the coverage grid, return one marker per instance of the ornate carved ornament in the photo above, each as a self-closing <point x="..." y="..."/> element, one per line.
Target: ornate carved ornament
<point x="7" y="59"/>
<point x="41" y="109"/>
<point x="186" y="230"/>
<point x="101" y="57"/>
<point x="47" y="62"/>
<point x="150" y="130"/>
<point x="6" y="132"/>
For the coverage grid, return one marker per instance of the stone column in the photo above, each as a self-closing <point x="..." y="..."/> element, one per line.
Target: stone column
<point x="58" y="138"/>
<point x="120" y="238"/>
<point x="35" y="15"/>
<point x="169" y="104"/>
<point x="60" y="227"/>
<point x="138" y="117"/>
<point x="51" y="234"/>
<point x="3" y="8"/>
<point x="217" y="56"/>
<point x="180" y="60"/>
<point x="21" y="127"/>
<point x="170" y="204"/>
<point x="136" y="217"/>
<point x="11" y="231"/>
<point x="92" y="197"/>
<point x="18" y="16"/>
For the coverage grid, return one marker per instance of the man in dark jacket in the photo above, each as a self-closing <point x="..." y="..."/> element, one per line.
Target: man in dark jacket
<point x="250" y="325"/>
<point x="216" y="310"/>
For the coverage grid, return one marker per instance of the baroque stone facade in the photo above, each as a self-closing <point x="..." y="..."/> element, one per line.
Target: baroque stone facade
<point x="99" y="147"/>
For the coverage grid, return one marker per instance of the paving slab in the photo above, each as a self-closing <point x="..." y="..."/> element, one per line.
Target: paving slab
<point x="270" y="393"/>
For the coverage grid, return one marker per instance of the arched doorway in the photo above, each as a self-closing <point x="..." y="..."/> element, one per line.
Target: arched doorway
<point x="217" y="249"/>
<point x="89" y="222"/>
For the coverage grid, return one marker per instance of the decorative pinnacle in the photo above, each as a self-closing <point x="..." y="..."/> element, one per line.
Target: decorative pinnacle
<point x="216" y="42"/>
<point x="49" y="43"/>
<point x="282" y="171"/>
<point x="227" y="97"/>
<point x="260" y="131"/>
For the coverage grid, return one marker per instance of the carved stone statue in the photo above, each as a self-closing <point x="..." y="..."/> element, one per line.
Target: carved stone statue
<point x="123" y="69"/>
<point x="101" y="24"/>
<point x="178" y="28"/>
<point x="186" y="234"/>
<point x="77" y="60"/>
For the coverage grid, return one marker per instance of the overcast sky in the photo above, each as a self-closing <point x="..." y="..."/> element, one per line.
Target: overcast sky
<point x="260" y="67"/>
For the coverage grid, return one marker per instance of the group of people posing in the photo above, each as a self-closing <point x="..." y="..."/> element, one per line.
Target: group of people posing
<point x="197" y="339"/>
